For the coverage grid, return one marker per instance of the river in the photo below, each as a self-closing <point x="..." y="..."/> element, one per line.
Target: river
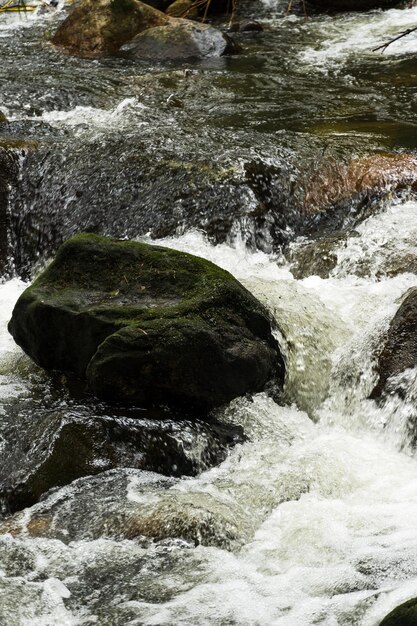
<point x="311" y="520"/>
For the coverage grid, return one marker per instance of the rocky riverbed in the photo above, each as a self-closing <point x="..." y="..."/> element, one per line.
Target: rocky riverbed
<point x="292" y="165"/>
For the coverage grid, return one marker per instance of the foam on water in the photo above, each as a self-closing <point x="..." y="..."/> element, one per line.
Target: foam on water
<point x="386" y="245"/>
<point x="10" y="384"/>
<point x="338" y="543"/>
<point x="348" y="36"/>
<point x="10" y="21"/>
<point x="98" y="119"/>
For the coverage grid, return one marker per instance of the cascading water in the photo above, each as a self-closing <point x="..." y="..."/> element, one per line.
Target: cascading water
<point x="311" y="520"/>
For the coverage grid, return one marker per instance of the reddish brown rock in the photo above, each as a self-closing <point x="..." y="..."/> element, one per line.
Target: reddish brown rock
<point x="371" y="174"/>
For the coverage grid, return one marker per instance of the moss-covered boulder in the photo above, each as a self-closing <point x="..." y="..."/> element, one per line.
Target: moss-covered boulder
<point x="399" y="350"/>
<point x="97" y="27"/>
<point x="403" y="615"/>
<point x="147" y="325"/>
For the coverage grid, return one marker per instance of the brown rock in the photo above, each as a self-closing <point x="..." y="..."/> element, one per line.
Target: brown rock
<point x="206" y="522"/>
<point x="370" y="174"/>
<point x="179" y="40"/>
<point x="97" y="27"/>
<point x="182" y="8"/>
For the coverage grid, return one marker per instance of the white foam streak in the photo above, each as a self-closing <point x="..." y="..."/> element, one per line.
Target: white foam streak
<point x="342" y="38"/>
<point x="95" y="119"/>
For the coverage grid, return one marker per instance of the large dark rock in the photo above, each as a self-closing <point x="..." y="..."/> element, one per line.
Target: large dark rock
<point x="147" y="325"/>
<point x="399" y="351"/>
<point x="403" y="615"/>
<point x="162" y="194"/>
<point x="178" y="40"/>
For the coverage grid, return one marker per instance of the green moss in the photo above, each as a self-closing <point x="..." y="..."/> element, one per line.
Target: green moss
<point x="121" y="6"/>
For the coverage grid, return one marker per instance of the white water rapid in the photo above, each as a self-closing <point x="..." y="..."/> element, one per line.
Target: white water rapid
<point x="323" y="512"/>
<point x="313" y="519"/>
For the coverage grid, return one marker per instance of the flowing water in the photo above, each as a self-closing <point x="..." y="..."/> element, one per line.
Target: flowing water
<point x="311" y="519"/>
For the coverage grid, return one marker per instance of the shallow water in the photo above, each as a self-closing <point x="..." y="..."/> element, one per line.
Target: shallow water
<point x="312" y="519"/>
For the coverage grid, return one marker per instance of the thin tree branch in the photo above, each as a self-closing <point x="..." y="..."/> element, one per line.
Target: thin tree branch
<point x="385" y="45"/>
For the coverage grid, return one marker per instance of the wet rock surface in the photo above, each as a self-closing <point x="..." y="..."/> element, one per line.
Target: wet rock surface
<point x="399" y="351"/>
<point x="315" y="258"/>
<point x="9" y="164"/>
<point x="104" y="27"/>
<point x="267" y="204"/>
<point x="130" y="504"/>
<point x="363" y="178"/>
<point x="403" y="615"/>
<point x="180" y="41"/>
<point x="60" y="446"/>
<point x="163" y="194"/>
<point x="147" y="325"/>
<point x="182" y="8"/>
<point x="97" y="27"/>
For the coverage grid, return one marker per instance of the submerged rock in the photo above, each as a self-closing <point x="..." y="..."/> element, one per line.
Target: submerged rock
<point x="399" y="351"/>
<point x="403" y="615"/>
<point x="97" y="27"/>
<point x="180" y="40"/>
<point x="147" y="325"/>
<point x="315" y="258"/>
<point x="59" y="448"/>
<point x="131" y="504"/>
